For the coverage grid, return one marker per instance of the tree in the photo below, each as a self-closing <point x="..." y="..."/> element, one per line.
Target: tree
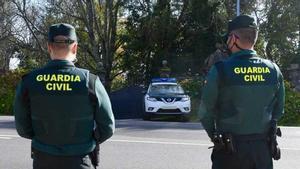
<point x="97" y="23"/>
<point x="6" y="28"/>
<point x="179" y="31"/>
<point x="30" y="33"/>
<point x="97" y="27"/>
<point x="281" y="31"/>
<point x="131" y="37"/>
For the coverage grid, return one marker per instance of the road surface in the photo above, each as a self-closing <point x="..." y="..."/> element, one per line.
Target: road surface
<point x="146" y="145"/>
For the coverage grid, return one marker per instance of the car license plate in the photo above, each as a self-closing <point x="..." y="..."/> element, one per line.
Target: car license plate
<point x="169" y="107"/>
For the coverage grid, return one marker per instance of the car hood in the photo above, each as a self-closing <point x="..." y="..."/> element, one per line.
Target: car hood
<point x="167" y="95"/>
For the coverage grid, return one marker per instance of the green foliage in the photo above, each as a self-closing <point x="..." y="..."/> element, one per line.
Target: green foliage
<point x="193" y="86"/>
<point x="8" y="84"/>
<point x="29" y="64"/>
<point x="118" y="83"/>
<point x="181" y="32"/>
<point x="281" y="31"/>
<point x="292" y="107"/>
<point x="195" y="104"/>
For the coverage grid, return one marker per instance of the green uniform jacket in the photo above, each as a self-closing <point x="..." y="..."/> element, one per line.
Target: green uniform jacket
<point x="242" y="95"/>
<point x="53" y="107"/>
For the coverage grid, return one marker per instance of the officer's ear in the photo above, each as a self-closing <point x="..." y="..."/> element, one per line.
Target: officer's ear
<point x="232" y="38"/>
<point x="74" y="48"/>
<point x="49" y="47"/>
<point x="229" y="40"/>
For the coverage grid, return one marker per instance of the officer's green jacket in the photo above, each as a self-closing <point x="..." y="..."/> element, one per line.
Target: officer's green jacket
<point x="53" y="107"/>
<point x="242" y="94"/>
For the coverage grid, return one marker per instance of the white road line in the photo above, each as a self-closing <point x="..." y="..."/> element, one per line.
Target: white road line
<point x="159" y="142"/>
<point x="289" y="127"/>
<point x="177" y="143"/>
<point x="292" y="149"/>
<point x="9" y="135"/>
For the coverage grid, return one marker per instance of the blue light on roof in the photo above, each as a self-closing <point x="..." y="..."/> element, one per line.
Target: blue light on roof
<point x="161" y="80"/>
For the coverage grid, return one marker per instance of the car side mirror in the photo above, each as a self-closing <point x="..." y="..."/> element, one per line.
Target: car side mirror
<point x="144" y="92"/>
<point x="187" y="92"/>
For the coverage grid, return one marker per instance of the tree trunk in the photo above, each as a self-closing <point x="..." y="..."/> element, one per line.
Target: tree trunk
<point x="109" y="42"/>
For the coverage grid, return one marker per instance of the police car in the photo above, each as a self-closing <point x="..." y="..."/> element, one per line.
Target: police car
<point x="166" y="96"/>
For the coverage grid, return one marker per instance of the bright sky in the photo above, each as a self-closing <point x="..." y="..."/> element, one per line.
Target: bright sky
<point x="14" y="63"/>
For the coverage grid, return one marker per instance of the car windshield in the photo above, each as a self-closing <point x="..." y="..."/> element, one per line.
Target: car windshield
<point x="166" y="89"/>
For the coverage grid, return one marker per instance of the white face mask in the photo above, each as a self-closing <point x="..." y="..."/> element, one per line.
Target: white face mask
<point x="72" y="59"/>
<point x="75" y="60"/>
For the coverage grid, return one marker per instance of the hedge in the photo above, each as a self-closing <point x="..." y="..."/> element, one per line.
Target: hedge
<point x="8" y="84"/>
<point x="292" y="107"/>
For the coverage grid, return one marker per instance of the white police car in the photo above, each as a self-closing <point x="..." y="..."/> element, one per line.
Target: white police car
<point x="166" y="96"/>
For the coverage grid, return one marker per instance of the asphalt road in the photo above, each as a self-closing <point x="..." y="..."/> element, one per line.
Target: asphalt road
<point x="146" y="145"/>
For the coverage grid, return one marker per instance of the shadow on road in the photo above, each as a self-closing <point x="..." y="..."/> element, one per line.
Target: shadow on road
<point x="156" y="125"/>
<point x="7" y="124"/>
<point x="131" y="124"/>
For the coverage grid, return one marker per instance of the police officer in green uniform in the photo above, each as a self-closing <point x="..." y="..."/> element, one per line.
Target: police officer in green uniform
<point x="242" y="98"/>
<point x="59" y="105"/>
<point x="165" y="70"/>
<point x="218" y="55"/>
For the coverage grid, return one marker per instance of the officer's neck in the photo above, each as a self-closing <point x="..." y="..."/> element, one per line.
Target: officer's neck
<point x="239" y="48"/>
<point x="69" y="58"/>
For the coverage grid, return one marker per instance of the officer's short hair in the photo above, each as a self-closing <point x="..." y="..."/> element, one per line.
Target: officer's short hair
<point x="246" y="35"/>
<point x="61" y="43"/>
<point x="60" y="46"/>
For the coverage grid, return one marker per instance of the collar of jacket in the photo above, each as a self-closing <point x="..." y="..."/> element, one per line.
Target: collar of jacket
<point x="243" y="52"/>
<point x="63" y="63"/>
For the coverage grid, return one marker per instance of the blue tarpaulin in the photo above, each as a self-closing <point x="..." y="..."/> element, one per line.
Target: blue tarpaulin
<point x="127" y="103"/>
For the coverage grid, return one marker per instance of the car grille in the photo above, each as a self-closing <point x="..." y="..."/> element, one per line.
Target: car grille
<point x="169" y="110"/>
<point x="168" y="99"/>
<point x="178" y="99"/>
<point x="159" y="99"/>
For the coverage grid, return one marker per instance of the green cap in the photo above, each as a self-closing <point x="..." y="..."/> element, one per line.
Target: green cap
<point x="242" y="21"/>
<point x="62" y="29"/>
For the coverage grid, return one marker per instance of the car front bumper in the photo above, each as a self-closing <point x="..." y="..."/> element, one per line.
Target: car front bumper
<point x="158" y="107"/>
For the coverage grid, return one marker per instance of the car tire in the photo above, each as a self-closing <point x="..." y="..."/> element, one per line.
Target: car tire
<point x="145" y="115"/>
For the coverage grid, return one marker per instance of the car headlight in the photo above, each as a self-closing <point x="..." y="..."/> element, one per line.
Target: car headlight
<point x="152" y="99"/>
<point x="184" y="99"/>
